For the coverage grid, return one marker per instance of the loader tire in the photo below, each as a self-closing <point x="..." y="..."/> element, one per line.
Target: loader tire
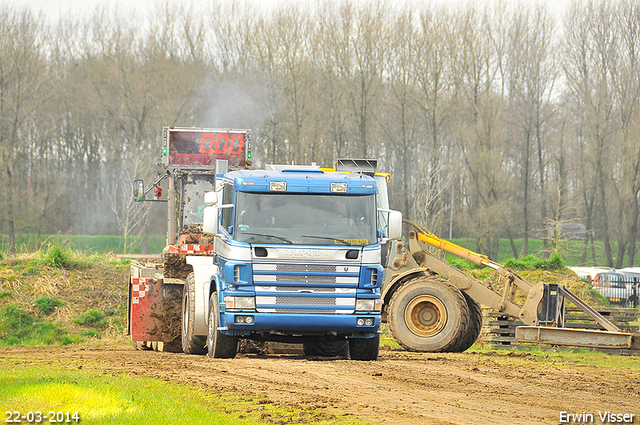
<point x="473" y="328"/>
<point x="219" y="345"/>
<point x="326" y="349"/>
<point x="427" y="314"/>
<point x="191" y="343"/>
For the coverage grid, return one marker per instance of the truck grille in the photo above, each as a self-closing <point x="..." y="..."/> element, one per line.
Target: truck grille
<point x="299" y="311"/>
<point x="322" y="268"/>
<point x="305" y="301"/>
<point x="306" y="279"/>
<point x="305" y="288"/>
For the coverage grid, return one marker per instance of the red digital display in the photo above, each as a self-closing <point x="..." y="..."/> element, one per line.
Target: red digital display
<point x="188" y="148"/>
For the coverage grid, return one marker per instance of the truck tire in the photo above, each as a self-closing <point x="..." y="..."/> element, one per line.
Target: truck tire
<point x="326" y="349"/>
<point x="427" y="314"/>
<point x="191" y="343"/>
<point x="473" y="328"/>
<point x="364" y="349"/>
<point x="220" y="346"/>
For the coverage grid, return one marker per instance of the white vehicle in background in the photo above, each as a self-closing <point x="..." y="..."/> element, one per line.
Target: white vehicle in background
<point x="610" y="283"/>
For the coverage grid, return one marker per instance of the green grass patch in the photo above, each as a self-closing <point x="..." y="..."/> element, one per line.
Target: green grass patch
<point x="123" y="399"/>
<point x="94" y="319"/>
<point x="461" y="263"/>
<point x="19" y="327"/>
<point x="47" y="304"/>
<point x="57" y="256"/>
<point x="90" y="334"/>
<point x="531" y="262"/>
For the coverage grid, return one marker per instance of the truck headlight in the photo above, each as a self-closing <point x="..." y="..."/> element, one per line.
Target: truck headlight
<point x="240" y="302"/>
<point x="339" y="187"/>
<point x="368" y="305"/>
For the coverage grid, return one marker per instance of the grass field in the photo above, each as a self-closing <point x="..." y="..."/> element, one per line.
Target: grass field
<point x="26" y="243"/>
<point x="118" y="398"/>
<point x="571" y="251"/>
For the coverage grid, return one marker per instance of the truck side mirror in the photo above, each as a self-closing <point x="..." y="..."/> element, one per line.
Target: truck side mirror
<point x="210" y="198"/>
<point x="395" y="224"/>
<point x="138" y="190"/>
<point x="210" y="218"/>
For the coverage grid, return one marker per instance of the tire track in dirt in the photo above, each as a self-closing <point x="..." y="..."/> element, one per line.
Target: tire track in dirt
<point x="400" y="388"/>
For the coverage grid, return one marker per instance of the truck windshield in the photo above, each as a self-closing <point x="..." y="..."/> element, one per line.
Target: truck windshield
<point x="308" y="219"/>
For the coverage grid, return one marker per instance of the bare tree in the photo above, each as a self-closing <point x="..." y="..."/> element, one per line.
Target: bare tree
<point x="398" y="121"/>
<point x="531" y="80"/>
<point x="24" y="88"/>
<point x="368" y="60"/>
<point x="436" y="97"/>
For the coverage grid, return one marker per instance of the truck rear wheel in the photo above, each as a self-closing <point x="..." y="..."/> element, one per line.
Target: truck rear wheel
<point x="364" y="349"/>
<point x="427" y="314"/>
<point x="473" y="328"/>
<point x="191" y="343"/>
<point x="326" y="349"/>
<point x="220" y="346"/>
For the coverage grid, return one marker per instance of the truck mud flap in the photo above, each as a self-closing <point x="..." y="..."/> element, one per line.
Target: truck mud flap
<point x="145" y="304"/>
<point x="155" y="312"/>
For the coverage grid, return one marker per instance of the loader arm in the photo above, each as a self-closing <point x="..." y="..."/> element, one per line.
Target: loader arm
<point x="544" y="305"/>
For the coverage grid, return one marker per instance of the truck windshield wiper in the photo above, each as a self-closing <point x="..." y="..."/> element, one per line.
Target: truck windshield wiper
<point x="344" y="241"/>
<point x="285" y="240"/>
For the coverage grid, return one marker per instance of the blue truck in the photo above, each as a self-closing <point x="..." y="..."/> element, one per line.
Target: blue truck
<point x="288" y="254"/>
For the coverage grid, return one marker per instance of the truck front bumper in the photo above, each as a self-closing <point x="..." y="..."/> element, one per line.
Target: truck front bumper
<point x="300" y="323"/>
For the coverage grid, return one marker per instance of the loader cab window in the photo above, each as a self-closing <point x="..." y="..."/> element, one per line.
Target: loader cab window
<point x="227" y="213"/>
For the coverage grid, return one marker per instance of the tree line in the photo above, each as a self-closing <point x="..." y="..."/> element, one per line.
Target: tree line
<point x="495" y="121"/>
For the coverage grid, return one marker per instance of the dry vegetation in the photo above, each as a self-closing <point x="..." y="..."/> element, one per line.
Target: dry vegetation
<point x="44" y="302"/>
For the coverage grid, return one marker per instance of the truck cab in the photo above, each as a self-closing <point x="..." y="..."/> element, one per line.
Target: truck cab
<point x="297" y="259"/>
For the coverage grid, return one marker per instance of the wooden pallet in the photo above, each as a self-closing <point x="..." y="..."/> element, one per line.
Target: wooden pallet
<point x="498" y="330"/>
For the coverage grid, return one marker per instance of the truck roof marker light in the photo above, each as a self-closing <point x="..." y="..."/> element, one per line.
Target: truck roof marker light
<point x="367" y="186"/>
<point x="339" y="187"/>
<point x="248" y="183"/>
<point x="278" y="186"/>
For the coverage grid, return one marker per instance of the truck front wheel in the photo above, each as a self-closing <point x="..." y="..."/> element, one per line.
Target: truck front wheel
<point x="427" y="314"/>
<point x="220" y="346"/>
<point x="191" y="343"/>
<point x="364" y="349"/>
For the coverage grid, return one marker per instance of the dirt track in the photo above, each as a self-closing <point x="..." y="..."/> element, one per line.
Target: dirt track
<point x="400" y="388"/>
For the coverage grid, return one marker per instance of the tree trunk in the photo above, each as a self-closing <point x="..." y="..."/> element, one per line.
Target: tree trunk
<point x="11" y="231"/>
<point x="621" y="249"/>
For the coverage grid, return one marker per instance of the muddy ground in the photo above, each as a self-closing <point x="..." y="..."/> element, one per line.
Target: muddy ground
<point x="475" y="387"/>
